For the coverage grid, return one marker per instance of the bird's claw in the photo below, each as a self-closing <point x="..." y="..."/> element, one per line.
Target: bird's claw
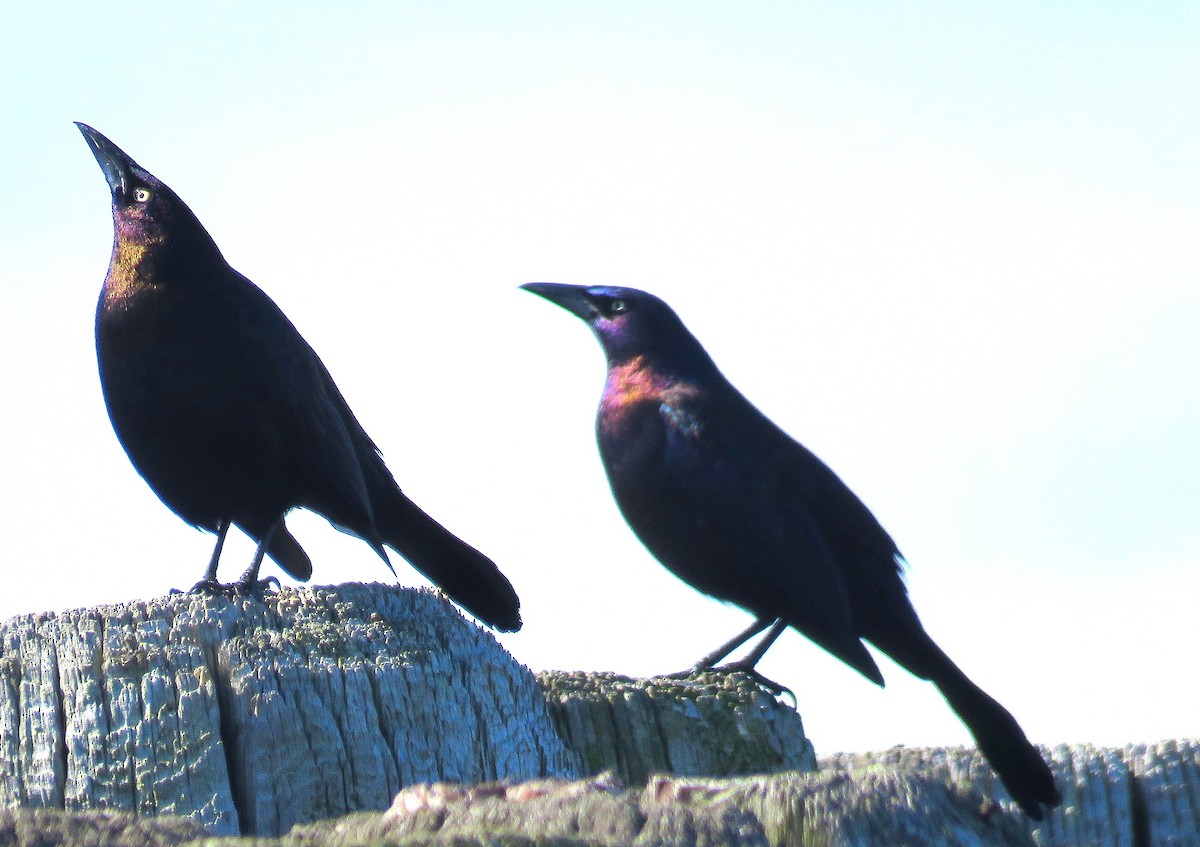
<point x="688" y="674"/>
<point x="766" y="683"/>
<point x="255" y="588"/>
<point x="213" y="588"/>
<point x="775" y="689"/>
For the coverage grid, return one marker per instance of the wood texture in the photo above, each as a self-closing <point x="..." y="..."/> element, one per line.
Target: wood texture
<point x="708" y="725"/>
<point x="253" y="716"/>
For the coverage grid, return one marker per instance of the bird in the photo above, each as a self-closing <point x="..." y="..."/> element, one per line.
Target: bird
<point x="735" y="507"/>
<point x="232" y="418"/>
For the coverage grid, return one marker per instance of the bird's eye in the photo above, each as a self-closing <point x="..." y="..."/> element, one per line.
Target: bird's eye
<point x="141" y="195"/>
<point x="618" y="306"/>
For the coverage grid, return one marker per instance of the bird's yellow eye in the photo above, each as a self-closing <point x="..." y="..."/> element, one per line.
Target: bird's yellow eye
<point x="618" y="306"/>
<point x="141" y="195"/>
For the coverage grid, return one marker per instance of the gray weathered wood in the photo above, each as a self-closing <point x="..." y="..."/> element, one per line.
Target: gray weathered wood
<point x="1167" y="781"/>
<point x="42" y="827"/>
<point x="1132" y="796"/>
<point x="833" y="809"/>
<point x="254" y="715"/>
<point x="712" y="724"/>
<point x="859" y="802"/>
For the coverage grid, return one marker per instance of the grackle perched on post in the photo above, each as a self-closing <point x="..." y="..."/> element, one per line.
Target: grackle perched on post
<point x="733" y="506"/>
<point x="232" y="418"/>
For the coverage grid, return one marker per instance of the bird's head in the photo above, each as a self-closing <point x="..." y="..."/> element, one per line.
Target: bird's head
<point x="146" y="212"/>
<point x="627" y="321"/>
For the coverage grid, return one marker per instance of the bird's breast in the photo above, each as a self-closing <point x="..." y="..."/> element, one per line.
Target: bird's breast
<point x="637" y="395"/>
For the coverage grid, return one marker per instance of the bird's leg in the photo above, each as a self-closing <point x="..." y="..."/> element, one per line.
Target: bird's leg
<point x="249" y="583"/>
<point x="209" y="584"/>
<point x="709" y="661"/>
<point x="732" y="644"/>
<point x="210" y="574"/>
<point x="746" y="663"/>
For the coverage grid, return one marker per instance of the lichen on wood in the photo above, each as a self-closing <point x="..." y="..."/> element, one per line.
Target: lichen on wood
<point x="711" y="724"/>
<point x="830" y="809"/>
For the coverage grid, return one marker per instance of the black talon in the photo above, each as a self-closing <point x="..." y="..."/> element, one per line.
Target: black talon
<point x="210" y="587"/>
<point x="255" y="588"/>
<point x="764" y="682"/>
<point x="688" y="674"/>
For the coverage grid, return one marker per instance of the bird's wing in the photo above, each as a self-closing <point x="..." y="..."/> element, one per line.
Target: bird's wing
<point x="742" y="483"/>
<point x="301" y="409"/>
<point x="337" y="461"/>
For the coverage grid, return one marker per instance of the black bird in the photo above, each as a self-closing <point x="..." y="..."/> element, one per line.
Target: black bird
<point x="733" y="506"/>
<point x="229" y="414"/>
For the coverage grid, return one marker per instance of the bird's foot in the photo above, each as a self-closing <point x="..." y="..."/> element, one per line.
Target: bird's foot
<point x="255" y="587"/>
<point x="688" y="674"/>
<point x="210" y="587"/>
<point x="770" y="685"/>
<point x="763" y="682"/>
<point x="213" y="588"/>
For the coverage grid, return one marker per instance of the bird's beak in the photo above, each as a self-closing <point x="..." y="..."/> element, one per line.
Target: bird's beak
<point x="116" y="165"/>
<point x="573" y="298"/>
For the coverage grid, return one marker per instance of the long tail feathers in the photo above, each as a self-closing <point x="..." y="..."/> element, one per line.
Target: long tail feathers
<point x="1020" y="766"/>
<point x="1000" y="739"/>
<point x="468" y="577"/>
<point x="283" y="548"/>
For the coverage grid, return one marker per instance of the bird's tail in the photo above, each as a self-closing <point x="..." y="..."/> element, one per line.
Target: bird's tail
<point x="1001" y="741"/>
<point x="997" y="734"/>
<point x="282" y="547"/>
<point x="468" y="577"/>
<point x="288" y="554"/>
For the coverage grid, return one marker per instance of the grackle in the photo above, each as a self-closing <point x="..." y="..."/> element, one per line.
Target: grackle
<point x="733" y="506"/>
<point x="231" y="417"/>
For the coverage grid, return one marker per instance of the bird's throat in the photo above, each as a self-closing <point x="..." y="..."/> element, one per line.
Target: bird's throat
<point x="129" y="272"/>
<point x="633" y="382"/>
<point x="635" y="386"/>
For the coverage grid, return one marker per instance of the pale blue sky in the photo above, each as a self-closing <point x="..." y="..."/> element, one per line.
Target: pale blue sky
<point x="952" y="249"/>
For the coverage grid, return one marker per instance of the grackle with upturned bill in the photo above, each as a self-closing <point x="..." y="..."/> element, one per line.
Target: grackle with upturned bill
<point x="231" y="417"/>
<point x="733" y="506"/>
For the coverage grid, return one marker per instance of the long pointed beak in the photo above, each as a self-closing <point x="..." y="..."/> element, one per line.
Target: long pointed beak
<point x="573" y="298"/>
<point x="116" y="165"/>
